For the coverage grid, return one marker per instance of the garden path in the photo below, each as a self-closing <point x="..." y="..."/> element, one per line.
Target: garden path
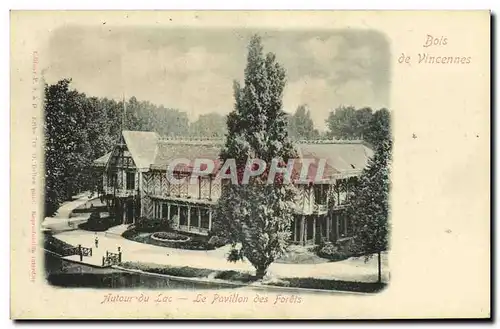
<point x="351" y="269"/>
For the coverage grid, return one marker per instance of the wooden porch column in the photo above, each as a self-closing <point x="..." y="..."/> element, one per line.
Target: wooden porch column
<point x="295" y="229"/>
<point x="327" y="219"/>
<point x="210" y="187"/>
<point x="199" y="217"/>
<point x="336" y="227"/>
<point x="179" y="214"/>
<point x="305" y="230"/>
<point x="124" y="212"/>
<point x="133" y="210"/>
<point x="328" y="191"/>
<point x="314" y="228"/>
<point x="168" y="211"/>
<point x="321" y="187"/>
<point x="189" y="217"/>
<point x="209" y="219"/>
<point x="302" y="226"/>
<point x="347" y="191"/>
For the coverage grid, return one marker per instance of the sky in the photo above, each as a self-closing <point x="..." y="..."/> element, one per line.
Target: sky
<point x="193" y="69"/>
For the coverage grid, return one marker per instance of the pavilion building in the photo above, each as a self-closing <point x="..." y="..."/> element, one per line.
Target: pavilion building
<point x="135" y="183"/>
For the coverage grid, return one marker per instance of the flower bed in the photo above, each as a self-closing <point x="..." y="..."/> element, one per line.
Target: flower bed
<point x="169" y="236"/>
<point x="195" y="241"/>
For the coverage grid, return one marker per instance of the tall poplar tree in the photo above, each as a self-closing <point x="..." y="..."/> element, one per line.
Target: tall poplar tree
<point x="256" y="217"/>
<point x="369" y="207"/>
<point x="301" y="125"/>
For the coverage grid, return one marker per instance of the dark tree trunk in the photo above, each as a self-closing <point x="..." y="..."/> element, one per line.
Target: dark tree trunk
<point x="379" y="268"/>
<point x="260" y="272"/>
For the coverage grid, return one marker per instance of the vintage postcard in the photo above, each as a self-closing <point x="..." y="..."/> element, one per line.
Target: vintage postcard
<point x="259" y="164"/>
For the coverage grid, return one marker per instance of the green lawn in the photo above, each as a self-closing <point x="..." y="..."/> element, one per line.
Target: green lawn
<point x="297" y="254"/>
<point x="240" y="277"/>
<point x="55" y="245"/>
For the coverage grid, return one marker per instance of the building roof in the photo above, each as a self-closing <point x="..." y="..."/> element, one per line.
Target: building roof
<point x="102" y="161"/>
<point x="148" y="150"/>
<point x="169" y="150"/>
<point x="340" y="158"/>
<point x="142" y="145"/>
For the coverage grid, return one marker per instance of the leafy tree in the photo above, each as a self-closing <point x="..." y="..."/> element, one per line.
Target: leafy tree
<point x="133" y="118"/>
<point x="301" y="126"/>
<point x="170" y="122"/>
<point x="79" y="129"/>
<point x="256" y="217"/>
<point x="67" y="149"/>
<point x="369" y="207"/>
<point x="340" y="122"/>
<point x="349" y="123"/>
<point x="363" y="118"/>
<point x="209" y="125"/>
<point x="55" y="97"/>
<point x="379" y="128"/>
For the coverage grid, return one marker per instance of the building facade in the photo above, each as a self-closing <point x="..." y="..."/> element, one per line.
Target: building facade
<point x="135" y="183"/>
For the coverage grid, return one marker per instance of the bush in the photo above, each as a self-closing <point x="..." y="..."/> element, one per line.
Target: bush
<point x="144" y="224"/>
<point x="332" y="252"/>
<point x="277" y="282"/>
<point x="349" y="247"/>
<point x="130" y="233"/>
<point x="235" y="255"/>
<point x="95" y="216"/>
<point x="172" y="236"/>
<point x="98" y="223"/>
<point x="217" y="242"/>
<point x="231" y="275"/>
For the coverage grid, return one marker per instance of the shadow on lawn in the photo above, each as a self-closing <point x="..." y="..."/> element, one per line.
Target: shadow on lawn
<point x="247" y="278"/>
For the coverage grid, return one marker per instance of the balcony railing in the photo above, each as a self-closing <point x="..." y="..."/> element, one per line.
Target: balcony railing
<point x="320" y="208"/>
<point x="119" y="192"/>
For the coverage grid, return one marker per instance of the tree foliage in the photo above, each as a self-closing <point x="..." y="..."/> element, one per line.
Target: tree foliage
<point x="301" y="126"/>
<point x="349" y="123"/>
<point x="379" y="128"/>
<point x="67" y="145"/>
<point x="369" y="206"/>
<point x="79" y="129"/>
<point x="209" y="125"/>
<point x="256" y="217"/>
